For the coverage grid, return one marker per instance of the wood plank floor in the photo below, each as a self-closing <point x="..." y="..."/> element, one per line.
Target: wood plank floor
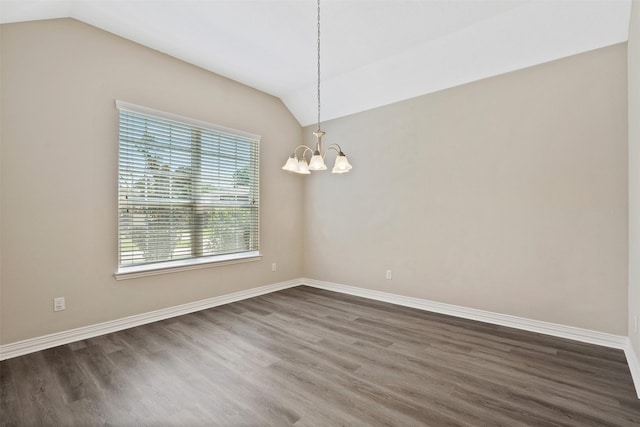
<point x="309" y="357"/>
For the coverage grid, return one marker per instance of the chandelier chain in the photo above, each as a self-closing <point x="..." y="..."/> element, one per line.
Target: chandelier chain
<point x="318" y="64"/>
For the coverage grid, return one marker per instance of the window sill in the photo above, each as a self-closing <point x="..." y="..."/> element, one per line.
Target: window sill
<point x="184" y="265"/>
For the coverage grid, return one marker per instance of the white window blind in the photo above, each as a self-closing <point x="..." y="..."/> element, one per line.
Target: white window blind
<point x="187" y="189"/>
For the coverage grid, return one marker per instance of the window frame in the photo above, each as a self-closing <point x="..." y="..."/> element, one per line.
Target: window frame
<point x="189" y="263"/>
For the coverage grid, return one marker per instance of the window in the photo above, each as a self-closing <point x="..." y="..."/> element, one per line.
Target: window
<point x="188" y="192"/>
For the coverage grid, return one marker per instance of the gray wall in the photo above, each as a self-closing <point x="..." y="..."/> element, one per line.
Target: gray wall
<point x="60" y="79"/>
<point x="508" y="195"/>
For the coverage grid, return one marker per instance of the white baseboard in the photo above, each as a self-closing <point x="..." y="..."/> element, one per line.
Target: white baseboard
<point x="20" y="348"/>
<point x="31" y="345"/>
<point x="634" y="366"/>
<point x="553" y="329"/>
<point x="569" y="332"/>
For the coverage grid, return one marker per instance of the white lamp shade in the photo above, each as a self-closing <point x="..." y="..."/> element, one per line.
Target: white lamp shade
<point x="342" y="164"/>
<point x="291" y="165"/>
<point x="303" y="167"/>
<point x="317" y="163"/>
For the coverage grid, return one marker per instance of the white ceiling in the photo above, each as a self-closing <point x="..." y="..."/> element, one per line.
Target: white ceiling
<point x="374" y="52"/>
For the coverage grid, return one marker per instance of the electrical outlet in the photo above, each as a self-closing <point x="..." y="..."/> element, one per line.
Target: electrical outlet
<point x="274" y="267"/>
<point x="59" y="304"/>
<point x="389" y="275"/>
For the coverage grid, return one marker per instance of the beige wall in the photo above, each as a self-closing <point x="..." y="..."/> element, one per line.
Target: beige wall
<point x="634" y="174"/>
<point x="59" y="175"/>
<point x="507" y="194"/>
<point x="1" y="185"/>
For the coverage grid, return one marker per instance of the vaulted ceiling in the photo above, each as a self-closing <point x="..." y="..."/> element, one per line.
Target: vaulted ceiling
<point x="373" y="52"/>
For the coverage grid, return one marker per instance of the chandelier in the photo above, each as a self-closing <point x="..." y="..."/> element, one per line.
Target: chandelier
<point x="299" y="164"/>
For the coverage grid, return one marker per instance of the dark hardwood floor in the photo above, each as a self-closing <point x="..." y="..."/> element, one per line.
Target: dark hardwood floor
<point x="310" y="357"/>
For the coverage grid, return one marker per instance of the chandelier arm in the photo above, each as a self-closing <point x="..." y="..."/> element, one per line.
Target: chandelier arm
<point x="304" y="152"/>
<point x="334" y="147"/>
